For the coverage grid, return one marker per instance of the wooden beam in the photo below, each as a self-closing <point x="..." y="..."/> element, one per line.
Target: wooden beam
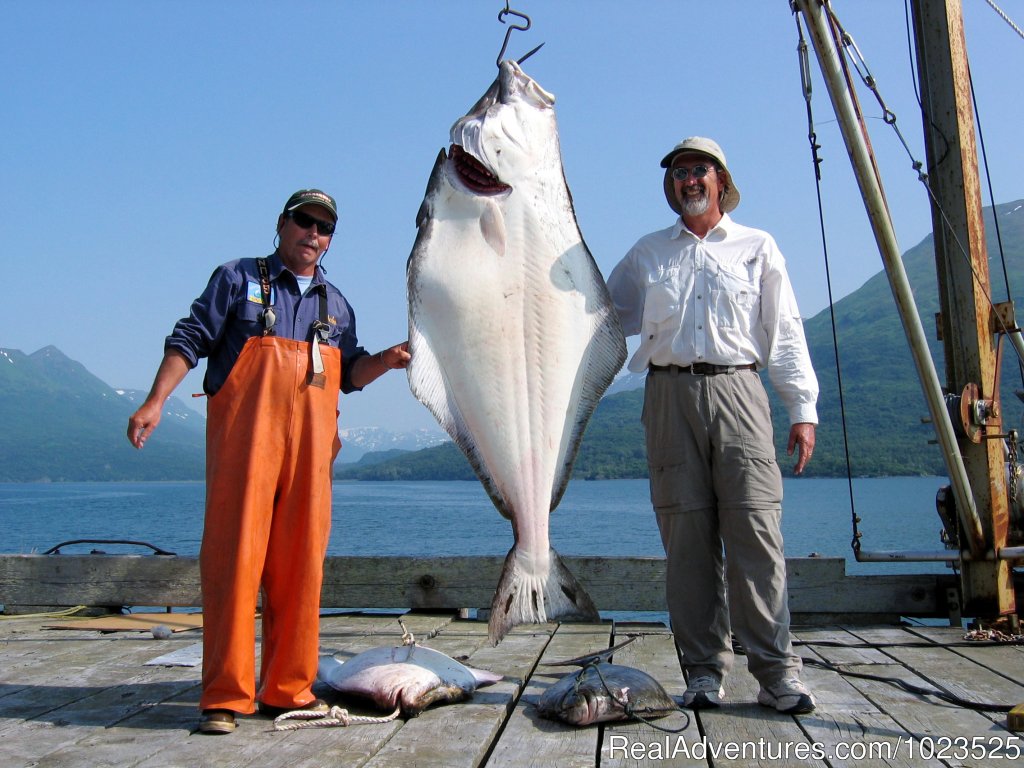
<point x="29" y="583"/>
<point x="961" y="259"/>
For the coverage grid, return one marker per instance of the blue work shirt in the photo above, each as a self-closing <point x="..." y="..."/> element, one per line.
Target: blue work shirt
<point x="228" y="313"/>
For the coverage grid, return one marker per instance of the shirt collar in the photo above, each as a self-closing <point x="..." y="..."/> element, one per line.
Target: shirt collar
<point x="276" y="267"/>
<point x="725" y="224"/>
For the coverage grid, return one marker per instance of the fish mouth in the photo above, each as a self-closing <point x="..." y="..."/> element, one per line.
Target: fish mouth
<point x="473" y="175"/>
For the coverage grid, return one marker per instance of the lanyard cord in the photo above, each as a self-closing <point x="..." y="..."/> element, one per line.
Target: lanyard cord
<point x="267" y="315"/>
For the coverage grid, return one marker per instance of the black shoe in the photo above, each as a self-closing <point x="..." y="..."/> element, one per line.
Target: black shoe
<point x="217" y="721"/>
<point x="316" y="705"/>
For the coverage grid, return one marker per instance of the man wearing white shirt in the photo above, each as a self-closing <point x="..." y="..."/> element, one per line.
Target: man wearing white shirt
<point x="713" y="305"/>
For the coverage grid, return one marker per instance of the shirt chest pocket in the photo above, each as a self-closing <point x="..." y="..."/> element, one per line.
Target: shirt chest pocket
<point x="248" y="312"/>
<point x="662" y="301"/>
<point x="248" y="315"/>
<point x="734" y="291"/>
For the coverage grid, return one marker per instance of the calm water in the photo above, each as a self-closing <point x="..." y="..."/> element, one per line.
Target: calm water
<point x="610" y="517"/>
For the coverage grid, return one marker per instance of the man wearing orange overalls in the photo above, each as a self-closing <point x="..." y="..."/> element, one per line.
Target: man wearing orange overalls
<point x="281" y="344"/>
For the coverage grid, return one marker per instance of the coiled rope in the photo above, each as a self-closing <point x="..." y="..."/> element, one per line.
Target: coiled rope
<point x="335" y="717"/>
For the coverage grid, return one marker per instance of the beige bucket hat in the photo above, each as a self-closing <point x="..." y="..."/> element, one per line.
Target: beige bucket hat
<point x="703" y="146"/>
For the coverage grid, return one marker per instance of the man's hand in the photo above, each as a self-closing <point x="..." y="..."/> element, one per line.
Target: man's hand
<point x="143" y="422"/>
<point x="172" y="370"/>
<point x="802" y="435"/>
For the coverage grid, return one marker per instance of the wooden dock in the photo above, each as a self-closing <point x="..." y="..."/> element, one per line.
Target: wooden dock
<point x="76" y="697"/>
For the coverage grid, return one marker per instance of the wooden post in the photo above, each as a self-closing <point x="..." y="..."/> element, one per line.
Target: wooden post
<point x="962" y="265"/>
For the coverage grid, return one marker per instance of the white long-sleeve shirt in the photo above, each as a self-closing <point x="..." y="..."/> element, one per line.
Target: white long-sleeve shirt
<point x="723" y="299"/>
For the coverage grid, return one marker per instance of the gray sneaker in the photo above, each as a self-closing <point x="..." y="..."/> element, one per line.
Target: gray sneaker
<point x="789" y="696"/>
<point x="704" y="692"/>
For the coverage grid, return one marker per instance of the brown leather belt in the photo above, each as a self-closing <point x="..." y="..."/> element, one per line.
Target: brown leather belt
<point x="703" y="369"/>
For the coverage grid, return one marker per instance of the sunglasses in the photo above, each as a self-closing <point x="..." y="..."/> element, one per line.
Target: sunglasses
<point x="305" y="221"/>
<point x="698" y="172"/>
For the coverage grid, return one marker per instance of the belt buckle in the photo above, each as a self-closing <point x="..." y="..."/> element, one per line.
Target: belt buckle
<point x="694" y="371"/>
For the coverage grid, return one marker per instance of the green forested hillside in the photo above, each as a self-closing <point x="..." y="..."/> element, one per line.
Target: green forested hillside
<point x="61" y="423"/>
<point x="882" y="403"/>
<point x="883" y="400"/>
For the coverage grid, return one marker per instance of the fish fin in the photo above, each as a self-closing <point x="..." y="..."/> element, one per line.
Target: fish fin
<point x="492" y="227"/>
<point x="601" y="361"/>
<point x="483" y="677"/>
<point x="590" y="658"/>
<point x="525" y="598"/>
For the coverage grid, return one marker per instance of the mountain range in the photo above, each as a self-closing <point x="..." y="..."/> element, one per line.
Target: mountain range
<point x="58" y="422"/>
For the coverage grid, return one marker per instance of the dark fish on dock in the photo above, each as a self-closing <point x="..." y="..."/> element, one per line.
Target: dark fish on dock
<point x="603" y="692"/>
<point x="513" y="335"/>
<point x="411" y="677"/>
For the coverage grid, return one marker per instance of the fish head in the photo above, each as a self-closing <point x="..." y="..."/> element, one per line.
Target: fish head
<point x="585" y="706"/>
<point x="584" y="697"/>
<point x="510" y="134"/>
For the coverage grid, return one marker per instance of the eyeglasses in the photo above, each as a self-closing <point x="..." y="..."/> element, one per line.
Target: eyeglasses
<point x="305" y="221"/>
<point x="698" y="172"/>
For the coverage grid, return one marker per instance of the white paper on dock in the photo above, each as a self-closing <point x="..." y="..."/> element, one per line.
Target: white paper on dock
<point x="189" y="656"/>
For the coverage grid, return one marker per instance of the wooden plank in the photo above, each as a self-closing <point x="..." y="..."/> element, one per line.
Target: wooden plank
<point x="926" y="720"/>
<point x="81" y="671"/>
<point x="832" y="692"/>
<point x="631" y="744"/>
<point x="257" y="743"/>
<point x="152" y="731"/>
<point x="615" y="583"/>
<point x="466" y="730"/>
<point x="405" y="741"/>
<point x="528" y="739"/>
<point x="57" y="731"/>
<point x="973" y="679"/>
<point x="940" y="666"/>
<point x="93" y="702"/>
<point x="756" y="735"/>
<point x="845" y="721"/>
<point x="1006" y="660"/>
<point x="111" y="580"/>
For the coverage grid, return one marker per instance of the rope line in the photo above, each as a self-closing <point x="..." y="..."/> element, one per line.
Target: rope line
<point x="335" y="717"/>
<point x="46" y="614"/>
<point x="1005" y="18"/>
<point x="949" y="698"/>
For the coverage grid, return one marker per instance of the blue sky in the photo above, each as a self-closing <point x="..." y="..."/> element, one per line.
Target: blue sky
<point x="146" y="142"/>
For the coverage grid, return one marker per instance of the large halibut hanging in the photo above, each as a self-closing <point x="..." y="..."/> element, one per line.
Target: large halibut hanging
<point x="513" y="335"/>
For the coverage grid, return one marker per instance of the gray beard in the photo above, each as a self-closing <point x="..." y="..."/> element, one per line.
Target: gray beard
<point x="695" y="206"/>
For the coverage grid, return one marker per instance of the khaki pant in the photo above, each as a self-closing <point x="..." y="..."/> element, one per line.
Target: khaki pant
<point x="271" y="440"/>
<point x="717" y="492"/>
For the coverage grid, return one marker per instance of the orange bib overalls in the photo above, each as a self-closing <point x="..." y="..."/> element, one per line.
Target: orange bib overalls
<point x="271" y="440"/>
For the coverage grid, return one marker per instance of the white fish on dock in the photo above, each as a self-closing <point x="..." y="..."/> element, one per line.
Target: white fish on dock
<point x="408" y="676"/>
<point x="513" y="335"/>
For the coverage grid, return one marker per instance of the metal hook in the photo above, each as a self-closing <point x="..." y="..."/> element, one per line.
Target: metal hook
<point x="508" y="32"/>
